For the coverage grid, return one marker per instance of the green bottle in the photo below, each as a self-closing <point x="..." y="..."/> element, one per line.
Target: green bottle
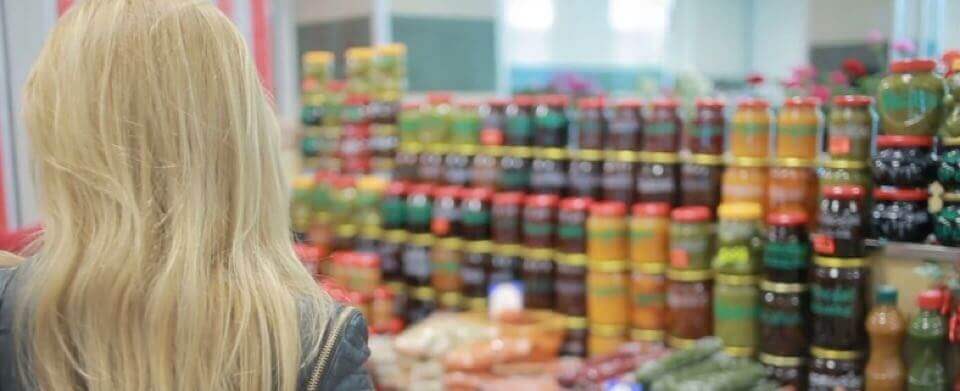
<point x="927" y="337"/>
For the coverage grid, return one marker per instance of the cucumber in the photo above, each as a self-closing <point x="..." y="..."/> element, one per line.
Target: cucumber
<point x="653" y="370"/>
<point x="742" y="376"/>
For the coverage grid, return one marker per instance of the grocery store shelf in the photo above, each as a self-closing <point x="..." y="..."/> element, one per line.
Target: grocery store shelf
<point x="928" y="252"/>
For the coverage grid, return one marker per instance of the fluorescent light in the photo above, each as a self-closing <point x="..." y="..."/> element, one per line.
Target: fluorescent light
<point x="633" y="16"/>
<point x="530" y="15"/>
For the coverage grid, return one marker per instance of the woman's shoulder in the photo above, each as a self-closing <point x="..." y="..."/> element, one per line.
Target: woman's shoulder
<point x="339" y="363"/>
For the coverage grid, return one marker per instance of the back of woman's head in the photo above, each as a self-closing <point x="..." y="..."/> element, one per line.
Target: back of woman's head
<point x="166" y="260"/>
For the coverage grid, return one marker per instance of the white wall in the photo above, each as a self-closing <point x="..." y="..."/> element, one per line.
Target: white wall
<point x="711" y="37"/>
<point x="326" y="10"/>
<point x="780" y="36"/>
<point x="848" y="21"/>
<point x="459" y="9"/>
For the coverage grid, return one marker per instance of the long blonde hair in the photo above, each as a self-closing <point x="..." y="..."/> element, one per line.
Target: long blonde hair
<point x="166" y="261"/>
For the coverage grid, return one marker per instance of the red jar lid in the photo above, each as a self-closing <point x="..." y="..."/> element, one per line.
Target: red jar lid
<point x="524" y="100"/>
<point x="852" y="100"/>
<point x="343" y="181"/>
<point x="691" y="213"/>
<point x="608" y="208"/>
<point x="421" y="189"/>
<point x="802" y="101"/>
<point x="476" y="193"/>
<point x="468" y="104"/>
<point x="886" y="141"/>
<point x="887" y="193"/>
<point x="913" y="65"/>
<point x="651" y="209"/>
<point x="555" y="100"/>
<point x="787" y="218"/>
<point x="576" y="203"/>
<point x="630" y="103"/>
<point x="753" y="103"/>
<point x="542" y="200"/>
<point x="593" y="102"/>
<point x="510" y="197"/>
<point x="439" y="97"/>
<point x="451" y="191"/>
<point x="336" y="85"/>
<point x="710" y="103"/>
<point x="356" y="99"/>
<point x="843" y="192"/>
<point x="931" y="300"/>
<point x="406" y="106"/>
<point x="498" y="102"/>
<point x="396" y="188"/>
<point x="368" y="260"/>
<point x="666" y="103"/>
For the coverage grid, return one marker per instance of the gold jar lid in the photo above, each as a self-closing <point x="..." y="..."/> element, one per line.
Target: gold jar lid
<point x="451" y="299"/>
<point x="792" y="162"/>
<point x="436" y="148"/>
<point x="950" y="141"/>
<point x="372" y="232"/>
<point x="588" y="154"/>
<point x="742" y="161"/>
<point x="780" y="287"/>
<point x="423" y="240"/>
<point x="680" y="343"/>
<point x="951" y="197"/>
<point x="689" y="275"/>
<point x="843" y="164"/>
<point x="780" y="361"/>
<point x="608" y="330"/>
<point x="465" y="149"/>
<point x="623" y="156"/>
<point x="492" y="150"/>
<point x="842" y="263"/>
<point x="659" y="157"/>
<point x="396" y="236"/>
<point x="450" y="243"/>
<point x="649" y="267"/>
<point x="410" y="147"/>
<point x="346" y="230"/>
<point x="572" y="259"/>
<point x="424" y="293"/>
<point x="538" y="254"/>
<point x="704" y="159"/>
<point x="508" y="250"/>
<point x="477" y="304"/>
<point x="480" y="246"/>
<point x="396" y="287"/>
<point x="607" y="266"/>
<point x="739" y="351"/>
<point x="519" y="151"/>
<point x="642" y="335"/>
<point x="550" y="153"/>
<point x="736" y="279"/>
<point x="830" y="354"/>
<point x="576" y="322"/>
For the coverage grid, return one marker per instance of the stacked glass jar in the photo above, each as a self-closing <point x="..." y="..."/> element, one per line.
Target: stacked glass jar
<point x="746" y="176"/>
<point x="689" y="293"/>
<point x="737" y="266"/>
<point x="570" y="286"/>
<point x="608" y="277"/>
<point x="792" y="180"/>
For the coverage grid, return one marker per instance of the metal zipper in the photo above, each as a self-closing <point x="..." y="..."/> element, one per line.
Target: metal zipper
<point x="314" y="382"/>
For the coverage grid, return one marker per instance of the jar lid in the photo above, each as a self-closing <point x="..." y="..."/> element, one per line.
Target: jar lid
<point x="606" y="266"/>
<point x="397" y="188"/>
<point x="510" y="197"/>
<point x="608" y="330"/>
<point x="576" y="323"/>
<point x="743" y="161"/>
<point x="439" y="97"/>
<point x="736" y="279"/>
<point x="554" y="100"/>
<point x="593" y="102"/>
<point x="542" y="200"/>
<point x="623" y="156"/>
<point x="588" y="154"/>
<point x="608" y="208"/>
<point x="888" y="193"/>
<point x="642" y="335"/>
<point x="424" y="293"/>
<point x="705" y="159"/>
<point x="476" y="193"/>
<point x="739" y="211"/>
<point x="524" y="100"/>
<point x="780" y="361"/>
<point x="951" y="197"/>
<point x="576" y="203"/>
<point x="913" y="65"/>
<point x="550" y="153"/>
<point x="852" y="100"/>
<point x="891" y="140"/>
<point x="423" y="240"/>
<point x="651" y="209"/>
<point x="885" y="294"/>
<point x="346" y="230"/>
<point x="396" y="236"/>
<point x="710" y="103"/>
<point x="492" y="150"/>
<point x="498" y="102"/>
<point x="366" y="260"/>
<point x="572" y="259"/>
<point x="844" y="164"/>
<point x="840" y="263"/>
<point x="680" y="343"/>
<point x="830" y="354"/>
<point x="410" y="147"/>
<point x="508" y="250"/>
<point x="420" y="189"/>
<point x="802" y="101"/>
<point x="649" y="267"/>
<point x="538" y="254"/>
<point x="518" y="151"/>
<point x="753" y="103"/>
<point x="480" y="246"/>
<point x="950" y="141"/>
<point x="665" y="103"/>
<point x="739" y="351"/>
<point x="629" y="103"/>
<point x="781" y="287"/>
<point x="371" y="232"/>
<point x="356" y="99"/>
<point x="343" y="181"/>
<point x="689" y="275"/>
<point x="792" y="162"/>
<point x="451" y="299"/>
<point x="659" y="157"/>
<point x="448" y="191"/>
<point x="408" y="105"/>
<point x="931" y="300"/>
<point x="843" y="192"/>
<point x="468" y="104"/>
<point x="450" y="243"/>
<point x="691" y="214"/>
<point x="465" y="149"/>
<point x="787" y="218"/>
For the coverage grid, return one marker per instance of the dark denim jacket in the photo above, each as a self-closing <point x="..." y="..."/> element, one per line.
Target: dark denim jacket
<point x="344" y="370"/>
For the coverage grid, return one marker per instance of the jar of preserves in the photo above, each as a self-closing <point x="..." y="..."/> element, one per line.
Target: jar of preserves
<point x="650" y="234"/>
<point x="948" y="169"/>
<point x="515" y="169"/>
<point x="540" y="220"/>
<point x="393" y="208"/>
<point x="445" y="213"/>
<point x="842" y="222"/>
<point x="416" y="260"/>
<point x="365" y="272"/>
<point x="493" y="116"/>
<point x="605" y="339"/>
<point x="750" y="135"/>
<point x="747" y="180"/>
<point x="783" y="319"/>
<point x="700" y="179"/>
<point x="739" y="239"/>
<point x="689" y="305"/>
<point x="537" y="272"/>
<point x="798" y="128"/>
<point x="406" y="162"/>
<point x="648" y="336"/>
<point x="836" y="370"/>
<point x="571" y="225"/>
<point x="465" y="124"/>
<point x="843" y="172"/>
<point x="947" y="228"/>
<point x="786" y="371"/>
<point x="664" y="127"/>
<point x="607" y="232"/>
<point x="548" y="171"/>
<point x="592" y="123"/>
<point x="648" y="286"/>
<point x="345" y="237"/>
<point x="851" y="126"/>
<point x="474" y="269"/>
<point x="786" y="255"/>
<point x="709" y="125"/>
<point x="475" y="213"/>
<point x="368" y="238"/>
<point x="435" y="118"/>
<point x="910" y="98"/>
<point x="504" y="264"/>
<point x="900" y="214"/>
<point x="485" y="166"/>
<point x="838" y="302"/>
<point x="507" y="216"/>
<point x="736" y="302"/>
<point x="430" y="163"/>
<point x="617" y="180"/>
<point x="903" y="161"/>
<point x="625" y="127"/>
<point x="585" y="174"/>
<point x="608" y="287"/>
<point x="408" y="123"/>
<point x="550" y="122"/>
<point x="575" y="340"/>
<point x="570" y="287"/>
<point x="421" y="302"/>
<point x="658" y="178"/>
<point x="445" y="259"/>
<point x="691" y="238"/>
<point x="419" y="208"/>
<point x="518" y="128"/>
<point x="456" y="164"/>
<point x="451" y="301"/>
<point x="390" y="250"/>
<point x="792" y="186"/>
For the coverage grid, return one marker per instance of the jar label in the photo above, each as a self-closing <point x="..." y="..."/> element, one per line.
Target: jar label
<point x="646" y="299"/>
<point x="624" y="126"/>
<point x="666" y="127"/>
<point x="839" y="145"/>
<point x="551" y="121"/>
<point x="742" y="192"/>
<point x="846" y="381"/>
<point x="773" y="317"/>
<point x="656" y="185"/>
<point x="786" y="256"/>
<point x="568" y="231"/>
<point x="751" y="127"/>
<point x="798" y="130"/>
<point x="641" y="234"/>
<point x="514" y="179"/>
<point x="584" y="181"/>
<point x="416" y="263"/>
<point x="473" y="276"/>
<point x="537" y="229"/>
<point x="733" y="311"/>
<point x="682" y="251"/>
<point x="518" y="127"/>
<point x="571" y="288"/>
<point x="732" y="257"/>
<point x="824" y="244"/>
<point x="607" y="290"/>
<point x="457" y="176"/>
<point x="833" y="302"/>
<point x="606" y="234"/>
<point x="548" y="179"/>
<point x="908" y="105"/>
<point x="687" y="301"/>
<point x="706" y="131"/>
<point x="617" y="181"/>
<point x="440" y="226"/>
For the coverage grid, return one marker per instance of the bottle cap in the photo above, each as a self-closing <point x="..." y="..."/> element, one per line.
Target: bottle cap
<point x="665" y="103"/>
<point x="593" y="102"/>
<point x="397" y="188"/>
<point x="887" y="193"/>
<point x="753" y="103"/>
<point x="439" y="97"/>
<point x="802" y="101"/>
<point x="886" y="294"/>
<point x="710" y="103"/>
<point x="843" y="192"/>
<point x="451" y="191"/>
<point x="524" y="100"/>
<point x="575" y="203"/>
<point x="542" y="200"/>
<point x="477" y="193"/>
<point x="554" y="100"/>
<point x="889" y="140"/>
<point x="608" y="208"/>
<point x="930" y="300"/>
<point x="498" y="102"/>
<point x="631" y="103"/>
<point x="421" y="189"/>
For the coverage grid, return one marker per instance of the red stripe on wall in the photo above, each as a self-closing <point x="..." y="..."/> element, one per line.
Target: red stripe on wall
<point x="63" y="5"/>
<point x="262" y="41"/>
<point x="226" y="6"/>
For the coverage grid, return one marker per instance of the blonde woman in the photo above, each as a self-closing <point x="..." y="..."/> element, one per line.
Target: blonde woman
<point x="165" y="261"/>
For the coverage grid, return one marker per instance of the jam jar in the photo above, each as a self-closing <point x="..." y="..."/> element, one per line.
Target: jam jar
<point x="843" y="172"/>
<point x="518" y="128"/>
<point x="903" y="161"/>
<point x="540" y="220"/>
<point x="456" y="164"/>
<point x="838" y="302"/>
<point x="700" y="179"/>
<point x="658" y="178"/>
<point x="485" y="166"/>
<point x="746" y="180"/>
<point x="842" y="222"/>
<point x="592" y="123"/>
<point x="493" y="116"/>
<point x="505" y="264"/>
<point x="664" y="127"/>
<point x="570" y="285"/>
<point x="393" y="208"/>
<point x="691" y="238"/>
<point x="430" y="163"/>
<point x="910" y="98"/>
<point x="575" y="341"/>
<point x="689" y="304"/>
<point x="786" y="255"/>
<point x="515" y="169"/>
<point x="585" y="174"/>
<point x="736" y="301"/>
<point x="507" y="216"/>
<point x="750" y="134"/>
<point x="390" y="250"/>
<point x="786" y="371"/>
<point x="900" y="214"/>
<point x="650" y="234"/>
<point x="571" y="225"/>
<point x="836" y="370"/>
<point x="416" y="260"/>
<point x="445" y="213"/>
<point x="705" y="136"/>
<point x="625" y="126"/>
<point x="607" y="232"/>
<point x="445" y="259"/>
<point x="739" y="239"/>
<point x="475" y="213"/>
<point x="435" y="118"/>
<point x="792" y="186"/>
<point x="419" y="208"/>
<point x="851" y="126"/>
<point x="947" y="228"/>
<point x="784" y="321"/>
<point x="408" y="122"/>
<point x="647" y="297"/>
<point x="473" y="271"/>
<point x="798" y="128"/>
<point x="548" y="171"/>
<point x="948" y="170"/>
<point x="406" y="159"/>
<point x="551" y="124"/>
<point x="608" y="293"/>
<point x="617" y="180"/>
<point x="537" y="273"/>
<point x="465" y="124"/>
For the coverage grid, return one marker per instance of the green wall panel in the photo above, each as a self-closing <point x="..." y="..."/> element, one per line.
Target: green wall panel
<point x="448" y="54"/>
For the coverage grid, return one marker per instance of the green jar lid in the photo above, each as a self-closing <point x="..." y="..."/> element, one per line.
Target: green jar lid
<point x="748" y="162"/>
<point x="649" y="267"/>
<point x="792" y="162"/>
<point x="739" y="351"/>
<point x="492" y="150"/>
<point x="508" y="250"/>
<point x="423" y="240"/>
<point x="608" y="330"/>
<point x="576" y="323"/>
<point x="830" y="354"/>
<point x="606" y="266"/>
<point x="623" y="156"/>
<point x="450" y="243"/>
<point x="642" y="335"/>
<point x="411" y="147"/>
<point x="465" y="149"/>
<point x="692" y="275"/>
<point x="396" y="236"/>
<point x="436" y="148"/>
<point x="539" y="254"/>
<point x="572" y="259"/>
<point x="842" y="263"/>
<point x="521" y="152"/>
<point x="886" y="294"/>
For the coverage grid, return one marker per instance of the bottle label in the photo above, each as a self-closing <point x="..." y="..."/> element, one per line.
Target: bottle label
<point x="548" y="180"/>
<point x="569" y="231"/>
<point x="666" y="127"/>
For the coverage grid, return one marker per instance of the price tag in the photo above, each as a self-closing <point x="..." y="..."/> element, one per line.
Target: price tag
<point x="679" y="258"/>
<point x="824" y="244"/>
<point x="839" y="145"/>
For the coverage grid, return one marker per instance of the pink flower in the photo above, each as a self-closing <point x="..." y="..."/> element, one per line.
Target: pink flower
<point x="804" y="73"/>
<point x="791" y="82"/>
<point x="839" y="78"/>
<point x="904" y="46"/>
<point x="874" y="36"/>
<point x="854" y="68"/>
<point x="821" y="91"/>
